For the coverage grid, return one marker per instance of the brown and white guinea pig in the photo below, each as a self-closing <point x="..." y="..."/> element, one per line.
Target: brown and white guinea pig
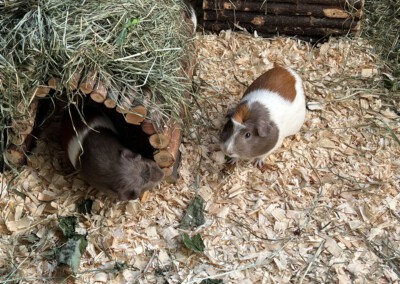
<point x="94" y="150"/>
<point x="272" y="108"/>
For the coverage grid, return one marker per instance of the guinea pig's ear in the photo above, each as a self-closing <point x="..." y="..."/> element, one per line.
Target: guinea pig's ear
<point x="129" y="155"/>
<point x="263" y="128"/>
<point x="230" y="112"/>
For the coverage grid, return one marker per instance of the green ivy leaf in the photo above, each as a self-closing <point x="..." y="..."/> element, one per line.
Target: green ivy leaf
<point x="71" y="253"/>
<point x="194" y="215"/>
<point x="195" y="243"/>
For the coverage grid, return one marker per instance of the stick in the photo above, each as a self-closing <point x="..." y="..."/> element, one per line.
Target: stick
<point x="317" y="253"/>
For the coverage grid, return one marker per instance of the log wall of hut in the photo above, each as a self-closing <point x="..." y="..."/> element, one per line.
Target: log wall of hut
<point x="303" y="18"/>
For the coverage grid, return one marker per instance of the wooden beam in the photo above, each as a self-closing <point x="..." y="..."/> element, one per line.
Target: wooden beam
<point x="294" y="9"/>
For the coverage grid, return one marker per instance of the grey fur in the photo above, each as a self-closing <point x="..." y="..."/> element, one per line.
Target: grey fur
<point x="105" y="163"/>
<point x="263" y="131"/>
<point x="110" y="167"/>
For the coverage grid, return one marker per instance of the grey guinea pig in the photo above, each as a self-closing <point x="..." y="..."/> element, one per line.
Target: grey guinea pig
<point x="272" y="108"/>
<point x="94" y="150"/>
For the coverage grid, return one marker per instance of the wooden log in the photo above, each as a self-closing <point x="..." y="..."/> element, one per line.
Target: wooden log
<point x="15" y="155"/>
<point x="302" y="31"/>
<point x="167" y="157"/>
<point x="148" y="127"/>
<point x="87" y="83"/>
<point x="159" y="141"/>
<point x="162" y="139"/>
<point x="112" y="98"/>
<point x="54" y="83"/>
<point x="171" y="173"/>
<point x="259" y="20"/>
<point x="356" y="4"/>
<point x="314" y="10"/>
<point x="136" y="115"/>
<point x="73" y="81"/>
<point x="21" y="137"/>
<point x="99" y="93"/>
<point x="41" y="91"/>
<point x="125" y="102"/>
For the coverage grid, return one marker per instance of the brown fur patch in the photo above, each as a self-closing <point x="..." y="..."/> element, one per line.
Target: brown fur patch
<point x="241" y="113"/>
<point x="278" y="80"/>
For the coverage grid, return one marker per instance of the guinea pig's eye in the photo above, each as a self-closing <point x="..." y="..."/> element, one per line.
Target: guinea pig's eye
<point x="247" y="135"/>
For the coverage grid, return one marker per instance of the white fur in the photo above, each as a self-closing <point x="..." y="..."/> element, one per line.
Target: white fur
<point x="288" y="116"/>
<point x="193" y="17"/>
<point x="75" y="143"/>
<point x="228" y="145"/>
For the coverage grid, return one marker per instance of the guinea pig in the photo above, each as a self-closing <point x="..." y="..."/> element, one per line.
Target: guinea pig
<point x="189" y="15"/>
<point x="93" y="148"/>
<point x="272" y="108"/>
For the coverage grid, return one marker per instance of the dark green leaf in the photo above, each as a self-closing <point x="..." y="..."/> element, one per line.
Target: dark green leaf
<point x="120" y="266"/>
<point x="85" y="206"/>
<point x="67" y="225"/>
<point x="195" y="243"/>
<point x="194" y="215"/>
<point x="212" y="281"/>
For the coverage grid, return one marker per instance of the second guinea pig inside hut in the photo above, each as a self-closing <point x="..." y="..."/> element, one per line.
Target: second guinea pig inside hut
<point x="93" y="148"/>
<point x="272" y="108"/>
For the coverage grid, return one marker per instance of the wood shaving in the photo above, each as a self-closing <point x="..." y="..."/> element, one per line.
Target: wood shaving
<point x="325" y="209"/>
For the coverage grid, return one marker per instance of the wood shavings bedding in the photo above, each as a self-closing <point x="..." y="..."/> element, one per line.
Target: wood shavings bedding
<point x="324" y="210"/>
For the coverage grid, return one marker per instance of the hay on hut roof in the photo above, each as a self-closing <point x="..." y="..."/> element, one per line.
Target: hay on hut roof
<point x="128" y="43"/>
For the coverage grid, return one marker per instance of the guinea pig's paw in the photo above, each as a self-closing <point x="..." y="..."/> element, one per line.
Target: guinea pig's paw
<point x="233" y="161"/>
<point x="258" y="162"/>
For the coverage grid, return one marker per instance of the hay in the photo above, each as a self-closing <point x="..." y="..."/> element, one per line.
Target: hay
<point x="381" y="29"/>
<point x="128" y="44"/>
